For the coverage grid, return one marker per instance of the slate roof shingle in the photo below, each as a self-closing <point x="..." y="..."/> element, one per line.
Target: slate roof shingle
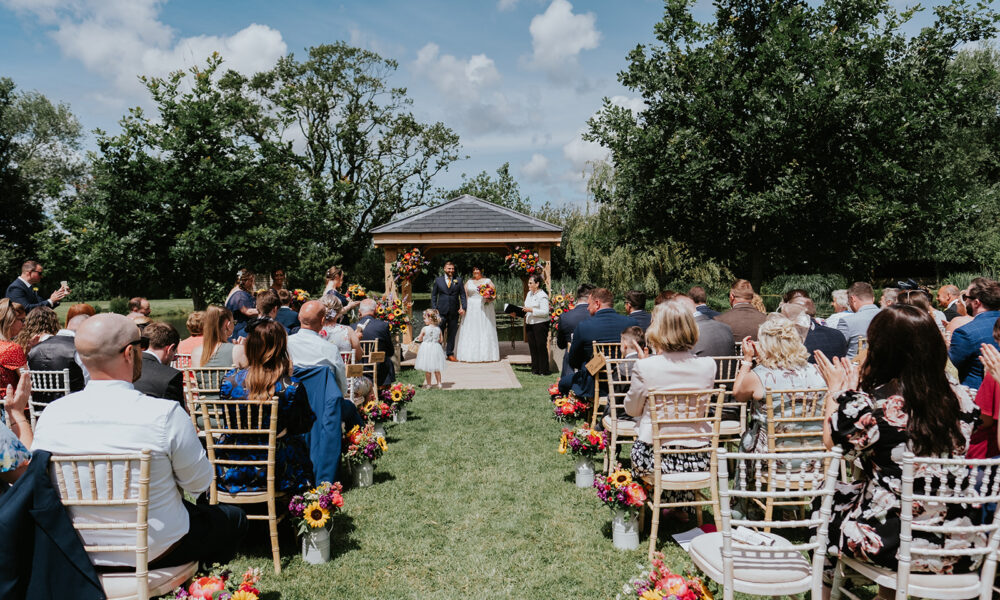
<point x="467" y="214"/>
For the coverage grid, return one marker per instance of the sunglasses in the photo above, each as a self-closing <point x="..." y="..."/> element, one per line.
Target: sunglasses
<point x="138" y="342"/>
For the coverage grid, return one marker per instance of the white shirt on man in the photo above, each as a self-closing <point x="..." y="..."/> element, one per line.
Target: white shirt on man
<point x="307" y="349"/>
<point x="112" y="417"/>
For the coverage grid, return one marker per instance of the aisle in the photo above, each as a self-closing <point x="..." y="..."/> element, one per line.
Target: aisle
<point x="471" y="500"/>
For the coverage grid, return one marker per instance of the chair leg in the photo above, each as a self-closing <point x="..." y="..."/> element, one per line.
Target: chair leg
<point x="699" y="517"/>
<point x="654" y="527"/>
<point x="768" y="512"/>
<point x="838" y="581"/>
<point x="272" y="524"/>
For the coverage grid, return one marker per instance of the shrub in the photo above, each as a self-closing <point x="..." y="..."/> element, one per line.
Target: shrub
<point x="119" y="305"/>
<point x="819" y="286"/>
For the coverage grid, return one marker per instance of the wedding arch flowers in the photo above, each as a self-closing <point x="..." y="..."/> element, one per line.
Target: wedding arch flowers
<point x="409" y="264"/>
<point x="392" y="311"/>
<point x="524" y="261"/>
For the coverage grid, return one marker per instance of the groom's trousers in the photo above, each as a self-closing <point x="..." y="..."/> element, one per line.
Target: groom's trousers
<point x="449" y="323"/>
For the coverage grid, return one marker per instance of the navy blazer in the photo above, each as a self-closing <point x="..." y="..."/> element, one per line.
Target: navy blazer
<point x="641" y="317"/>
<point x="289" y="318"/>
<point x="965" y="347"/>
<point x="568" y="323"/>
<point x="21" y="292"/>
<point x="708" y="312"/>
<point x="826" y="339"/>
<point x="41" y="555"/>
<point x="377" y="329"/>
<point x="447" y="299"/>
<point x="331" y="409"/>
<point x="604" y="326"/>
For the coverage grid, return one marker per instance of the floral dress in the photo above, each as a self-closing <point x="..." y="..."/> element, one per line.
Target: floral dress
<point x="13" y="454"/>
<point x="866" y="514"/>
<point x="12" y="358"/>
<point x="293" y="467"/>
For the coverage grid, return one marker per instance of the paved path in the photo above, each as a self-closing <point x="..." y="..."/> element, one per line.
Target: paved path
<point x="484" y="376"/>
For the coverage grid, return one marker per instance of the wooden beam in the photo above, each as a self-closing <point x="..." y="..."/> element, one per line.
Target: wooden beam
<point x="545" y="253"/>
<point x="390" y="257"/>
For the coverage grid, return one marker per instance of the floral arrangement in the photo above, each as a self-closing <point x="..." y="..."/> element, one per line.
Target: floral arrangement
<point x="398" y="392"/>
<point x="560" y="303"/>
<point x="220" y="587"/>
<point x="570" y="407"/>
<point x="659" y="583"/>
<point x="488" y="291"/>
<point x="554" y="391"/>
<point x="583" y="441"/>
<point x="409" y="264"/>
<point x="618" y="491"/>
<point x="356" y="292"/>
<point x="524" y="261"/>
<point x="300" y="295"/>
<point x="313" y="509"/>
<point x="393" y="312"/>
<point x="374" y="411"/>
<point x="363" y="445"/>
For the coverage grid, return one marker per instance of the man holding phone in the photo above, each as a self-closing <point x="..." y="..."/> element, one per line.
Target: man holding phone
<point x="24" y="289"/>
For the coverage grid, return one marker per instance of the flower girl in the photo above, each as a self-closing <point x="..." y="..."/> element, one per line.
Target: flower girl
<point x="430" y="357"/>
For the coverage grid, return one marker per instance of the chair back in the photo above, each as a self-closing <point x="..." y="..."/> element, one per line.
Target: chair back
<point x="253" y="424"/>
<point x="202" y="383"/>
<point x="181" y="361"/>
<point x="795" y="420"/>
<point x="943" y="483"/>
<point x="753" y="488"/>
<point x="348" y="357"/>
<point x="738" y="348"/>
<point x="726" y="368"/>
<point x="618" y="372"/>
<point x="109" y="480"/>
<point x="46" y="386"/>
<point x="367" y="348"/>
<point x="684" y="421"/>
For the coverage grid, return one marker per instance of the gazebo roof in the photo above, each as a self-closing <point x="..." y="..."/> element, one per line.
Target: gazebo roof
<point x="467" y="214"/>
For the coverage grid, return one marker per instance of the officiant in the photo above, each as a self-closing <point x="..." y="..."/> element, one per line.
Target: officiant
<point x="536" y="312"/>
<point x="448" y="297"/>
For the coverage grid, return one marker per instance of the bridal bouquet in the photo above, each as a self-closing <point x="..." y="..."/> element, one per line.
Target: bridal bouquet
<point x="300" y="295"/>
<point x="570" y="407"/>
<point x="393" y="312"/>
<point x="659" y="583"/>
<point x="618" y="491"/>
<point x="356" y="292"/>
<point x="398" y="392"/>
<point x="363" y="445"/>
<point x="488" y="291"/>
<point x="313" y="509"/>
<point x="524" y="261"/>
<point x="409" y="264"/>
<point x="583" y="441"/>
<point x="561" y="303"/>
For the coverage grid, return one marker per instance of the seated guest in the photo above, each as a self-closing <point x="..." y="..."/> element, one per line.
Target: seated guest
<point x="984" y="442"/>
<point x="604" y="326"/>
<point x="286" y="316"/>
<point x="664" y="296"/>
<point x="841" y="307"/>
<point x="193" y="324"/>
<point x="307" y="348"/>
<point x="854" y="326"/>
<point x="801" y="311"/>
<point x="889" y="296"/>
<point x="268" y="305"/>
<point x="983" y="303"/>
<point x="635" y="307"/>
<point x="963" y="318"/>
<point x="715" y="338"/>
<point x="12" y="355"/>
<point x="782" y="364"/>
<point x="376" y="329"/>
<point x="58" y="352"/>
<point x="268" y="374"/>
<point x="949" y="298"/>
<point x="40" y="324"/>
<point x="568" y="323"/>
<point x="139" y="310"/>
<point x="922" y="300"/>
<point x="109" y="416"/>
<point x="23" y="290"/>
<point x="240" y="302"/>
<point x="159" y="379"/>
<point x="633" y="348"/>
<point x="742" y="318"/>
<point x="81" y="308"/>
<point x="215" y="351"/>
<point x="342" y="336"/>
<point x="698" y="294"/>
<point x="758" y="303"/>
<point x="672" y="334"/>
<point x="903" y="396"/>
<point x="16" y="436"/>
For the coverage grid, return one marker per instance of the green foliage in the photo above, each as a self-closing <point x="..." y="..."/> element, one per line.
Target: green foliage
<point x="119" y="305"/>
<point x="963" y="279"/>
<point x="819" y="286"/>
<point x="503" y="190"/>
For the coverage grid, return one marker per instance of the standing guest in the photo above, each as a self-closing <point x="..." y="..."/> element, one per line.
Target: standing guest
<point x="430" y="356"/>
<point x="949" y="298"/>
<point x="604" y="326"/>
<point x="342" y="336"/>
<point x="159" y="379"/>
<point x="841" y="308"/>
<point x="983" y="303"/>
<point x="79" y="309"/>
<point x="194" y="327"/>
<point x="278" y="280"/>
<point x="111" y="416"/>
<point x="241" y="303"/>
<point x="984" y="442"/>
<point x="889" y="296"/>
<point x="854" y="326"/>
<point x="536" y="319"/>
<point x="41" y="324"/>
<point x="448" y="298"/>
<point x="715" y="338"/>
<point x="139" y="310"/>
<point x="286" y="316"/>
<point x="568" y="323"/>
<point x="697" y="293"/>
<point x="268" y="373"/>
<point x="377" y="329"/>
<point x="742" y="318"/>
<point x="58" y="352"/>
<point x="334" y="281"/>
<point x="12" y="355"/>
<point x="24" y="289"/>
<point x="801" y="311"/>
<point x="635" y="307"/>
<point x="306" y="348"/>
<point x="215" y="351"/>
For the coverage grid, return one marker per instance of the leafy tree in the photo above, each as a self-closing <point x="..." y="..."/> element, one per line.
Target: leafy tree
<point x="782" y="131"/>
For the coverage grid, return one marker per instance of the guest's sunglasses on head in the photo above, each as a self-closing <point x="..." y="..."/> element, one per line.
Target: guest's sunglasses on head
<point x="137" y="342"/>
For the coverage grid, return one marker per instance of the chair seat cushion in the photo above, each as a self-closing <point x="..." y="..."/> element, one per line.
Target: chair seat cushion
<point x="918" y="581"/>
<point x="688" y="479"/>
<point x="768" y="566"/>
<point x="730" y="428"/>
<point x="625" y="427"/>
<point x="120" y="586"/>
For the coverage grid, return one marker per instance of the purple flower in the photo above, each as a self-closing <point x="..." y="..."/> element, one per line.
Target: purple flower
<point x="324" y="502"/>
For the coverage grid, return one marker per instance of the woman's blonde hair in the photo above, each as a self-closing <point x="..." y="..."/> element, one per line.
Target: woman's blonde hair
<point x="433" y="315"/>
<point x="672" y="328"/>
<point x="10" y="311"/>
<point x="213" y="325"/>
<point x="334" y="307"/>
<point x="780" y="344"/>
<point x="758" y="303"/>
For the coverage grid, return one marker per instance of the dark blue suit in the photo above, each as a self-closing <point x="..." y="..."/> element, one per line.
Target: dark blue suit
<point x="826" y="339"/>
<point x="377" y="329"/>
<point x="331" y="410"/>
<point x="568" y="323"/>
<point x="964" y="351"/>
<point x="605" y="326"/>
<point x="447" y="300"/>
<point x="641" y="317"/>
<point x="708" y="312"/>
<point x="289" y="318"/>
<point x="21" y="292"/>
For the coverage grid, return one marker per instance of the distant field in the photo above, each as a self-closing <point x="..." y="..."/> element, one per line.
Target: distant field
<point x="161" y="308"/>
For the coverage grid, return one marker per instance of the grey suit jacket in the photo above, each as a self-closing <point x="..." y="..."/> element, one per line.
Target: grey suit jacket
<point x="715" y="338"/>
<point x="855" y="325"/>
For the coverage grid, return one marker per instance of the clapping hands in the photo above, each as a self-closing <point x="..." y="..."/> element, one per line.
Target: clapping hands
<point x="840" y="374"/>
<point x="990" y="358"/>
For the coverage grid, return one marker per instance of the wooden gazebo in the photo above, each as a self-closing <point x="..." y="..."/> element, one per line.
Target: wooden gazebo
<point x="465" y="223"/>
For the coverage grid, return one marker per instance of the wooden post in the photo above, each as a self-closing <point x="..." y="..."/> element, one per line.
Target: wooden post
<point x="406" y="293"/>
<point x="390" y="283"/>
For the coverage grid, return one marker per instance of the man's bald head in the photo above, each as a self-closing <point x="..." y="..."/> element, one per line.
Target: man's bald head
<point x="75" y="322"/>
<point x="101" y="339"/>
<point x="311" y="315"/>
<point x="367" y="307"/>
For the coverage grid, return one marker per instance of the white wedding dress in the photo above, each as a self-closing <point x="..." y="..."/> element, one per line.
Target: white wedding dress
<point x="477" y="333"/>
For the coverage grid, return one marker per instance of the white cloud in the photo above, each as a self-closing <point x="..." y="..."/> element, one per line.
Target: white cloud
<point x="123" y="39"/>
<point x="536" y="169"/>
<point x="558" y="36"/>
<point x="636" y="105"/>
<point x="579" y="152"/>
<point x="505" y="5"/>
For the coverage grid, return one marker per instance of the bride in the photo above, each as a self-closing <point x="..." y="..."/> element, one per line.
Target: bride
<point x="477" y="334"/>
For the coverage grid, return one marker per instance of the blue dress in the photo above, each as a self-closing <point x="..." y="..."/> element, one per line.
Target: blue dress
<point x="240" y="299"/>
<point x="293" y="469"/>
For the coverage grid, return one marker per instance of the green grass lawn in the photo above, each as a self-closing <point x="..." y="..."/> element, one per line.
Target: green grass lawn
<point x="471" y="500"/>
<point x="161" y="308"/>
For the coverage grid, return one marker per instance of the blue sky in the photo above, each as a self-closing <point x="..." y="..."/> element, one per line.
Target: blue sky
<point x="516" y="79"/>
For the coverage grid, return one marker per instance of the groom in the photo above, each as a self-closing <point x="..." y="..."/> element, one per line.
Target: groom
<point x="448" y="297"/>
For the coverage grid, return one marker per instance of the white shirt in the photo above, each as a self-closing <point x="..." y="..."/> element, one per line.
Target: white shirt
<point x="538" y="302"/>
<point x="831" y="321"/>
<point x="112" y="417"/>
<point x="307" y="349"/>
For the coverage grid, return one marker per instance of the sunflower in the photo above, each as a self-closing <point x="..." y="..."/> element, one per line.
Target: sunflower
<point x="397" y="312"/>
<point x="316" y="516"/>
<point x="562" y="444"/>
<point x="620" y="478"/>
<point x="243" y="595"/>
<point x="558" y="312"/>
<point x="402" y="328"/>
<point x="382" y="444"/>
<point x="396" y="395"/>
<point x="354" y="430"/>
<point x="558" y="298"/>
